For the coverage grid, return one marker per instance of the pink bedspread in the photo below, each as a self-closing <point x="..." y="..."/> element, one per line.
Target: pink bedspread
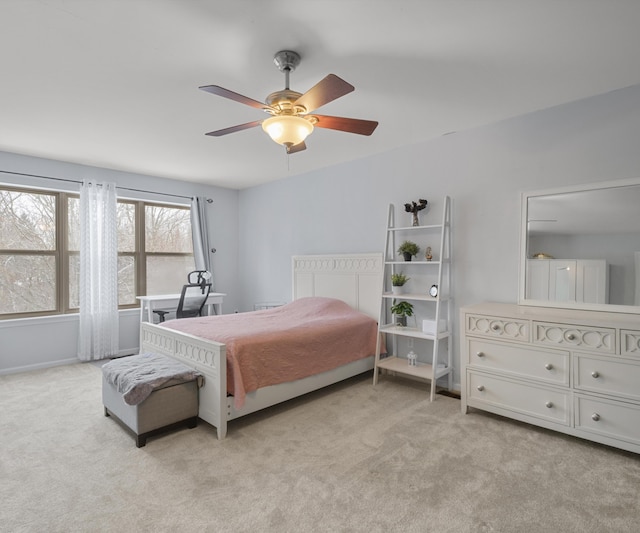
<point x="300" y="339"/>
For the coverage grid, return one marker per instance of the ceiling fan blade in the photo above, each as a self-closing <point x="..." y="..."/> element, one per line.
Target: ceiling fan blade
<point x="326" y="90"/>
<point x="350" y="125"/>
<point x="296" y="148"/>
<point x="226" y="93"/>
<point x="233" y="129"/>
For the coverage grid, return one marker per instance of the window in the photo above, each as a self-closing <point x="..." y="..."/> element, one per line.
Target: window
<point x="168" y="256"/>
<point x="127" y="254"/>
<point x="28" y="252"/>
<point x="40" y="251"/>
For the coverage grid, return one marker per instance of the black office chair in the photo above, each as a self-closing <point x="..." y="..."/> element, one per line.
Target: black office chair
<point x="201" y="277"/>
<point x="192" y="300"/>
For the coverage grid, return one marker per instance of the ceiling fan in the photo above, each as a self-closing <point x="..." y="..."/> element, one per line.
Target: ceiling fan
<point x="292" y="118"/>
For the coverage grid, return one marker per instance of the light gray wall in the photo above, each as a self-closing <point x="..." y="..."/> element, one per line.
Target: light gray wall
<point x="32" y="343"/>
<point x="343" y="208"/>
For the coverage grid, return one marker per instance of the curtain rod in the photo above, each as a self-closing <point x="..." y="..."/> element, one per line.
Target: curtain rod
<point x="77" y="181"/>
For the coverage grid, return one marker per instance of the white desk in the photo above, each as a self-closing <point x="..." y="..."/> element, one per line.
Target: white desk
<point x="164" y="301"/>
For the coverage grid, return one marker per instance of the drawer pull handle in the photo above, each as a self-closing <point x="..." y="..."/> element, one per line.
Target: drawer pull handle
<point x="480" y="354"/>
<point x="549" y="366"/>
<point x="495" y="327"/>
<point x="549" y="404"/>
<point x="595" y="374"/>
<point x="595" y="417"/>
<point x="480" y="388"/>
<point x="571" y="337"/>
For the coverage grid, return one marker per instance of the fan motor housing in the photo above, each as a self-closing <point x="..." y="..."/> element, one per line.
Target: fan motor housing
<point x="284" y="102"/>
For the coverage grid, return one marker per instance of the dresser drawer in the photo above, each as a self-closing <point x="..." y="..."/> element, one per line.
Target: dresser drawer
<point x="616" y="420"/>
<point x="630" y="342"/>
<point x="539" y="402"/>
<point x="522" y="361"/>
<point x="602" y="340"/>
<point x="606" y="375"/>
<point x="505" y="328"/>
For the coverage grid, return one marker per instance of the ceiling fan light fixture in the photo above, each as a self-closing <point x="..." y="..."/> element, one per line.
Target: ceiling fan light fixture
<point x="291" y="122"/>
<point x="287" y="130"/>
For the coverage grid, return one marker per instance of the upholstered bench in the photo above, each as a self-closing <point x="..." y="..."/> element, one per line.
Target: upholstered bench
<point x="150" y="393"/>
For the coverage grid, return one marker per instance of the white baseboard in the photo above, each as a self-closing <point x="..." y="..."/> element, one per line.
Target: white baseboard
<point x="61" y="362"/>
<point x="39" y="366"/>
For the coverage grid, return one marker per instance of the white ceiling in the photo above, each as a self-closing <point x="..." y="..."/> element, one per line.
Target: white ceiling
<point x="114" y="83"/>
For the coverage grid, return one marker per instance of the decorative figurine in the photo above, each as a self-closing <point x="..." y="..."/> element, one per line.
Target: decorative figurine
<point x="413" y="208"/>
<point x="427" y="254"/>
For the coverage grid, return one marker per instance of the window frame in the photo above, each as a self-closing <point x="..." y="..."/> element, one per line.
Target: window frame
<point x="141" y="243"/>
<point x="62" y="254"/>
<point x="55" y="253"/>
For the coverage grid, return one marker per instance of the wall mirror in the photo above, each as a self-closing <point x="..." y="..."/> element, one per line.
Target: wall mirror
<point x="580" y="247"/>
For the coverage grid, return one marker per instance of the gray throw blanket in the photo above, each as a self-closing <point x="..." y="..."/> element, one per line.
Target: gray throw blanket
<point x="137" y="376"/>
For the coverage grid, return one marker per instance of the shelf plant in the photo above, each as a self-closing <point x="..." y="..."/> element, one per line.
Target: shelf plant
<point x="408" y="249"/>
<point x="398" y="280"/>
<point x="402" y="310"/>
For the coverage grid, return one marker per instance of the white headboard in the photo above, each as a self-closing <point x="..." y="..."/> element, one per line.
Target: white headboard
<point x="353" y="278"/>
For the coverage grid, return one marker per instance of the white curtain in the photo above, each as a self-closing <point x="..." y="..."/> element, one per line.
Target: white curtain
<point x="200" y="235"/>
<point x="98" y="336"/>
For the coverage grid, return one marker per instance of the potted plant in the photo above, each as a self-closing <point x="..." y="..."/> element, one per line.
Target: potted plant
<point x="402" y="310"/>
<point x="397" y="281"/>
<point x="408" y="249"/>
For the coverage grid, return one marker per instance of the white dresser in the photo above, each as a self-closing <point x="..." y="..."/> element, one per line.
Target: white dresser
<point x="572" y="371"/>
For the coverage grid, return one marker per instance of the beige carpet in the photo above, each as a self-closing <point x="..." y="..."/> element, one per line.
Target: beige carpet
<point x="350" y="458"/>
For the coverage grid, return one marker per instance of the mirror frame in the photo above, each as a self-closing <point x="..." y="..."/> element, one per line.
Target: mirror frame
<point x="525" y="196"/>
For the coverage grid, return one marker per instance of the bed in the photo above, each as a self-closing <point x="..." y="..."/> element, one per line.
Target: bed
<point x="355" y="279"/>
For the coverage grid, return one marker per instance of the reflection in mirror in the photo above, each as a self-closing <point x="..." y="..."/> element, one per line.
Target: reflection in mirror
<point x="582" y="247"/>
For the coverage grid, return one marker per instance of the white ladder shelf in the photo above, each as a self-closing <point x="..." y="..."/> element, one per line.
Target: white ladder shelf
<point x="433" y="362"/>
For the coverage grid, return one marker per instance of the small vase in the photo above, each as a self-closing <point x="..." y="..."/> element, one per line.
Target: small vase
<point x="401" y="321"/>
<point x="414" y="219"/>
<point x="407" y="256"/>
<point x="397" y="289"/>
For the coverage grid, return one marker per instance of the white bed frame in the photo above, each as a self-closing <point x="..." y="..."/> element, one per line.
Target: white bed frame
<point x="354" y="278"/>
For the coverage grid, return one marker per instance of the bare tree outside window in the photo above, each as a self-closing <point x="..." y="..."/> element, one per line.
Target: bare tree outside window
<point x="127" y="259"/>
<point x="28" y="221"/>
<point x="167" y="230"/>
<point x="169" y="248"/>
<point x="28" y="255"/>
